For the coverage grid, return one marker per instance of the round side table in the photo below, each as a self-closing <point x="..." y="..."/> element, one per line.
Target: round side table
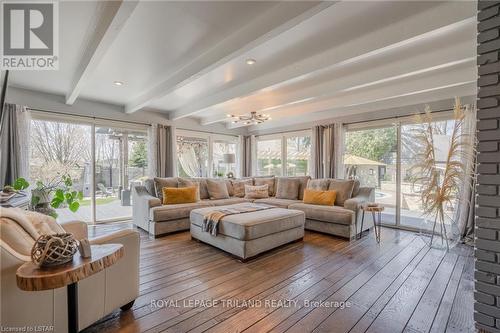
<point x="30" y="277"/>
<point x="377" y="219"/>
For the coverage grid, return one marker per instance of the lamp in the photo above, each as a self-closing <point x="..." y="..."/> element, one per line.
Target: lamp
<point x="229" y="159"/>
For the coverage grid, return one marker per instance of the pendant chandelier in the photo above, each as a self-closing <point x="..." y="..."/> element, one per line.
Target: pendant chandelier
<point x="253" y="118"/>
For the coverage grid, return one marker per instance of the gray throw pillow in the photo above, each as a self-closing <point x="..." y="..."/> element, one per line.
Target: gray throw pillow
<point x="160" y="183"/>
<point x="343" y="188"/>
<point x="217" y="189"/>
<point x="288" y="188"/>
<point x="239" y="186"/>
<point x="269" y="181"/>
<point x="202" y="184"/>
<point x="318" y="184"/>
<point x="256" y="192"/>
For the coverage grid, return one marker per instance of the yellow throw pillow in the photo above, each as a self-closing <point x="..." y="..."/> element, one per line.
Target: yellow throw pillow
<point x="315" y="197"/>
<point x="174" y="195"/>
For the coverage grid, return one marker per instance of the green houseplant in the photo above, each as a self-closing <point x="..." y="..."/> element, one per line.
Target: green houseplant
<point x="48" y="196"/>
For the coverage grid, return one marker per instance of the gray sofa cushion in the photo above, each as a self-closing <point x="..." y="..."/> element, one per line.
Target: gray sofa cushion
<point x="202" y="184"/>
<point x="333" y="214"/>
<point x="263" y="181"/>
<point x="318" y="184"/>
<point x="303" y="185"/>
<point x="174" y="212"/>
<point x="225" y="202"/>
<point x="217" y="189"/>
<point x="282" y="203"/>
<point x="343" y="188"/>
<point x="239" y="186"/>
<point x="164" y="182"/>
<point x="253" y="225"/>
<point x="287" y="188"/>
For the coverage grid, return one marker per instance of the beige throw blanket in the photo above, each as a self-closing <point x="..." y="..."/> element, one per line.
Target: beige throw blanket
<point x="211" y="219"/>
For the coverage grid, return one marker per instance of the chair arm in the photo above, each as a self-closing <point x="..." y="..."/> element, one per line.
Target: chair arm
<point x="117" y="237"/>
<point x="79" y="229"/>
<point x="122" y="278"/>
<point x="365" y="194"/>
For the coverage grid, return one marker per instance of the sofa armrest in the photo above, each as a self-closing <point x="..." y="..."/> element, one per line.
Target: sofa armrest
<point x="365" y="194"/>
<point x="142" y="197"/>
<point x="79" y="229"/>
<point x="142" y="202"/>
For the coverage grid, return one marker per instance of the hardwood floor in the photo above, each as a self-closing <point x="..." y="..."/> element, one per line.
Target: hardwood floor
<point x="323" y="284"/>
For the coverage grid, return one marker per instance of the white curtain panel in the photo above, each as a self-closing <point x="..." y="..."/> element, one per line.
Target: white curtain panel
<point x="464" y="214"/>
<point x="188" y="160"/>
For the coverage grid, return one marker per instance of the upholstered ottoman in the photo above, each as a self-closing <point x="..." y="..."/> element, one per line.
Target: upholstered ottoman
<point x="245" y="235"/>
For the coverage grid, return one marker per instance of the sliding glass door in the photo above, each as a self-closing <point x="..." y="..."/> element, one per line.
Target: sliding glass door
<point x="104" y="162"/>
<point x="411" y="203"/>
<point x="62" y="148"/>
<point x="382" y="156"/>
<point x="371" y="157"/>
<point x="121" y="162"/>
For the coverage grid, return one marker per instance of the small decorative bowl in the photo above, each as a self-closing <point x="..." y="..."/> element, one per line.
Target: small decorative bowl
<point x="53" y="250"/>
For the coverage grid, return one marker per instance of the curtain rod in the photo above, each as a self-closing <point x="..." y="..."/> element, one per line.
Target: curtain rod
<point x="90" y="117"/>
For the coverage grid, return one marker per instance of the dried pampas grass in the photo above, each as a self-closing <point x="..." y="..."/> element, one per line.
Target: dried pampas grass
<point x="441" y="181"/>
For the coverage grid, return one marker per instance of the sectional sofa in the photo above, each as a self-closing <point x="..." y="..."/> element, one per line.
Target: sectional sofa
<point x="341" y="220"/>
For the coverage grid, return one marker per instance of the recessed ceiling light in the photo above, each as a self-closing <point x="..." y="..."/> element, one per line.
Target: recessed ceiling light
<point x="251" y="61"/>
<point x="118" y="83"/>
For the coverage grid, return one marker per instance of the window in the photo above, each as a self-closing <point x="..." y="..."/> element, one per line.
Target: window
<point x="65" y="145"/>
<point x="298" y="154"/>
<point x="269" y="157"/>
<point x="192" y="156"/>
<point x="224" y="158"/>
<point x="293" y="148"/>
<point x="206" y="155"/>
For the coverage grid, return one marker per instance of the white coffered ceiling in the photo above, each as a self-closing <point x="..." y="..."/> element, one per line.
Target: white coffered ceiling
<point x="315" y="60"/>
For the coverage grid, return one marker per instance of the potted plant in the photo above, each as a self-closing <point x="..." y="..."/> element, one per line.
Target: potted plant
<point x="46" y="197"/>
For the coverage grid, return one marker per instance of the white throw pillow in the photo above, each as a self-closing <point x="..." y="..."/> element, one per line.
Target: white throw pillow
<point x="256" y="192"/>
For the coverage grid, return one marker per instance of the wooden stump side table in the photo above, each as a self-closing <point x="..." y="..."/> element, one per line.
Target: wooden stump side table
<point x="377" y="220"/>
<point x="30" y="277"/>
